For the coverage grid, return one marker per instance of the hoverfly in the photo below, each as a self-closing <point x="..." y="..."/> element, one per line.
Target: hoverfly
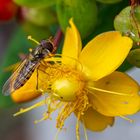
<point x="28" y="66"/>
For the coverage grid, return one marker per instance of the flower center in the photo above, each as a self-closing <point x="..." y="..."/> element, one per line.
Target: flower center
<point x="65" y="89"/>
<point x="68" y="86"/>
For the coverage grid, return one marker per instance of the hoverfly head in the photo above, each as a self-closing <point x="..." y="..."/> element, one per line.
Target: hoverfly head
<point x="47" y="44"/>
<point x="46" y="47"/>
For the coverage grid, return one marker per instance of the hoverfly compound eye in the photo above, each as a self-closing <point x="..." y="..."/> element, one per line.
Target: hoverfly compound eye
<point x="47" y="44"/>
<point x="50" y="46"/>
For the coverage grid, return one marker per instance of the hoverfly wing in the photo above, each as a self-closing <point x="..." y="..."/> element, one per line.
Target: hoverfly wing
<point x="8" y="87"/>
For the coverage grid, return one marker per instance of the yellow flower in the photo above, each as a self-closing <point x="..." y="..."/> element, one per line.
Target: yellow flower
<point x="84" y="81"/>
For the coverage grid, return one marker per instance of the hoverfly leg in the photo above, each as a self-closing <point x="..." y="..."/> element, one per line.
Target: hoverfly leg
<point x="37" y="76"/>
<point x="43" y="63"/>
<point x="41" y="75"/>
<point x="37" y="79"/>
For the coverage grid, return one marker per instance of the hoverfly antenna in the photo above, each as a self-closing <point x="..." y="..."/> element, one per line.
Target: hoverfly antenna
<point x="32" y="39"/>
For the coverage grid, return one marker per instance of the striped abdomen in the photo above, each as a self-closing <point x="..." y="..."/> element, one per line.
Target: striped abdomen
<point x="24" y="74"/>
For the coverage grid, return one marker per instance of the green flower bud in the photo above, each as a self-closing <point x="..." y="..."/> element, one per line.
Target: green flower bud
<point x="134" y="57"/>
<point x="84" y="13"/>
<point x="40" y="16"/>
<point x="125" y="23"/>
<point x="109" y="1"/>
<point x="35" y="3"/>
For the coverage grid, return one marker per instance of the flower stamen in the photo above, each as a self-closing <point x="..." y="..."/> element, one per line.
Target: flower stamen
<point x="127" y="119"/>
<point x="130" y="120"/>
<point x="85" y="130"/>
<point x="58" y="58"/>
<point x="57" y="133"/>
<point x="41" y="103"/>
<point x="107" y="91"/>
<point x="46" y="116"/>
<point x="77" y="128"/>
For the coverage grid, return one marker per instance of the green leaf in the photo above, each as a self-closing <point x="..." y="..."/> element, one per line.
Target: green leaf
<point x="18" y="44"/>
<point x="109" y="1"/>
<point x="35" y="3"/>
<point x="125" y="66"/>
<point x="83" y="12"/>
<point x="126" y="24"/>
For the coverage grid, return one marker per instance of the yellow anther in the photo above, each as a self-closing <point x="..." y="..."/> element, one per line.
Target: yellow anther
<point x="30" y="49"/>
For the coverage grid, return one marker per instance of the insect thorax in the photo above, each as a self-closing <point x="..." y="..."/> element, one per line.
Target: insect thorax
<point x="41" y="51"/>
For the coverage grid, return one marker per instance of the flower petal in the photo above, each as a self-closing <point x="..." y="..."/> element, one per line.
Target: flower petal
<point x="104" y="54"/>
<point x="72" y="44"/>
<point x="27" y="92"/>
<point x="123" y="100"/>
<point x="95" y="121"/>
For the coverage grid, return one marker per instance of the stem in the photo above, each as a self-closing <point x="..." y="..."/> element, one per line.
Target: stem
<point x="57" y="38"/>
<point x="135" y="3"/>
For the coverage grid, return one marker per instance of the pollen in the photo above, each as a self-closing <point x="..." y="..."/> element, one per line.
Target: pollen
<point x="62" y="82"/>
<point x="66" y="90"/>
<point x="68" y="86"/>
